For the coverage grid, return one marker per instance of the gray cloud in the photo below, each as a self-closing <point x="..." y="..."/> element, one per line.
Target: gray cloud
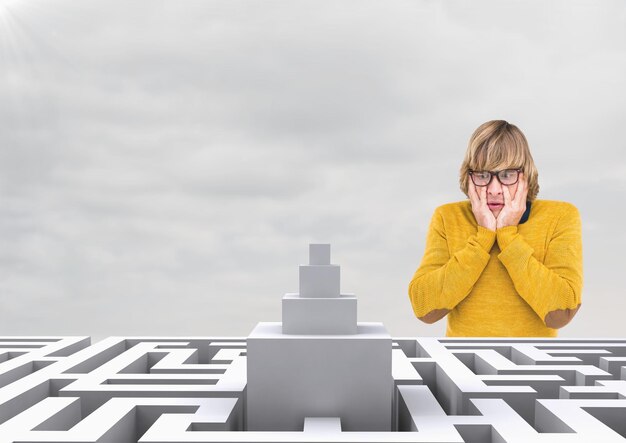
<point x="164" y="166"/>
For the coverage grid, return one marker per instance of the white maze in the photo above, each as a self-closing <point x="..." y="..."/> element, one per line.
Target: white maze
<point x="312" y="378"/>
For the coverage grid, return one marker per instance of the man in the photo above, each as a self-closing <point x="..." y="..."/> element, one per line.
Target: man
<point x="503" y="263"/>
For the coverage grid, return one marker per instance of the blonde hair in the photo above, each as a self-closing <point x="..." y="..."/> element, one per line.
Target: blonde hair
<point x="497" y="145"/>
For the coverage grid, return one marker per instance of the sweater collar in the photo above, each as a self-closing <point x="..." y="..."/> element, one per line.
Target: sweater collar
<point x="526" y="213"/>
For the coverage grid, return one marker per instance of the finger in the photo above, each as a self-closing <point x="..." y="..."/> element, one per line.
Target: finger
<point x="523" y="182"/>
<point x="507" y="195"/>
<point x="478" y="192"/>
<point x="470" y="188"/>
<point x="476" y="203"/>
<point x="525" y="195"/>
<point x="518" y="195"/>
<point x="523" y="202"/>
<point x="522" y="191"/>
<point x="471" y="191"/>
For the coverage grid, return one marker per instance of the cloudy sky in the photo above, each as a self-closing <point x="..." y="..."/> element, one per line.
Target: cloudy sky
<point x="164" y="164"/>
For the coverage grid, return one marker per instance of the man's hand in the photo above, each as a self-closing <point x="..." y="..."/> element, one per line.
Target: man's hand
<point x="482" y="213"/>
<point x="513" y="209"/>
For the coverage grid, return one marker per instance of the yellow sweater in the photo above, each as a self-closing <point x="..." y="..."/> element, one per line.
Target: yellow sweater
<point x="500" y="283"/>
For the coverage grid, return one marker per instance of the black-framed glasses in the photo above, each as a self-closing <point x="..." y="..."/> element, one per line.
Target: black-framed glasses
<point x="507" y="177"/>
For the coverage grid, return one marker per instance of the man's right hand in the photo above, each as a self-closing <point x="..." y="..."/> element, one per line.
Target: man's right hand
<point x="482" y="213"/>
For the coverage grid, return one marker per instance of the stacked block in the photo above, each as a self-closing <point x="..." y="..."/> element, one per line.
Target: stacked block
<point x="319" y="362"/>
<point x="319" y="307"/>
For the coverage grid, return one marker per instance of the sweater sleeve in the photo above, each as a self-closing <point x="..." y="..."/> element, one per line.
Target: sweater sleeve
<point x="442" y="281"/>
<point x="557" y="282"/>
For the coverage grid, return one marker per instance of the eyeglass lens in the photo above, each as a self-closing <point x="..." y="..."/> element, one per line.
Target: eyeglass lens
<point x="506" y="177"/>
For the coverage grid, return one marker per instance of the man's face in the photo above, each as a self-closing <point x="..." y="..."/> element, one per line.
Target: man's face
<point x="495" y="196"/>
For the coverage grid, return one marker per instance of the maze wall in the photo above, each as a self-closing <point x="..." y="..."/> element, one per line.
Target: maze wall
<point x="150" y="389"/>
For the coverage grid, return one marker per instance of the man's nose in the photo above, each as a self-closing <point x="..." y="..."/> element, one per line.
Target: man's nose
<point x="495" y="187"/>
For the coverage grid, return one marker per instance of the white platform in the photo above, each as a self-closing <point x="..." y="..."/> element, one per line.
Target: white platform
<point x="345" y="376"/>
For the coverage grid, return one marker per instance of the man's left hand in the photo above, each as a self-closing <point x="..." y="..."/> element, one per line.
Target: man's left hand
<point x="513" y="209"/>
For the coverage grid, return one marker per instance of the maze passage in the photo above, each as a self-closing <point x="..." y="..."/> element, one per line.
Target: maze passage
<point x="166" y="389"/>
<point x="119" y="389"/>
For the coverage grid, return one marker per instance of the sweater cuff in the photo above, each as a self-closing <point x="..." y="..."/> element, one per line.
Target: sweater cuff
<point x="485" y="238"/>
<point x="506" y="235"/>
